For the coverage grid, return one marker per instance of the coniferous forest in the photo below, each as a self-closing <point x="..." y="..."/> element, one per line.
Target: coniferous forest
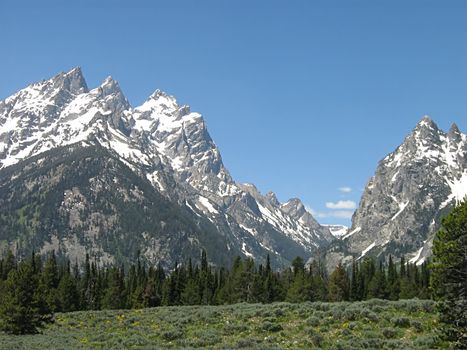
<point x="58" y="286"/>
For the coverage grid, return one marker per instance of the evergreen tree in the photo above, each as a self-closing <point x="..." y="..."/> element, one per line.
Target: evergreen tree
<point x="393" y="281"/>
<point x="67" y="292"/>
<point x="300" y="289"/>
<point x="338" y="284"/>
<point x="49" y="281"/>
<point x="298" y="265"/>
<point x="377" y="285"/>
<point x="114" y="295"/>
<point x="22" y="307"/>
<point x="8" y="264"/>
<point x="354" y="292"/>
<point x="449" y="277"/>
<point x="319" y="290"/>
<point x="424" y="282"/>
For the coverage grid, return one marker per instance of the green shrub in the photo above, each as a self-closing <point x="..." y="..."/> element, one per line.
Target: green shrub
<point x="207" y="337"/>
<point x="417" y="325"/>
<point x="246" y="343"/>
<point x="279" y="312"/>
<point x="317" y="339"/>
<point x="271" y="326"/>
<point x="172" y="334"/>
<point x="313" y="321"/>
<point x="402" y="322"/>
<point x="389" y="333"/>
<point x="427" y="341"/>
<point x="234" y="328"/>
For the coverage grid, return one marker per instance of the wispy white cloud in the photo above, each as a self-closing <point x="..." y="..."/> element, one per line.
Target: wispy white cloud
<point x="316" y="214"/>
<point x="339" y="214"/>
<point x="341" y="205"/>
<point x="345" y="189"/>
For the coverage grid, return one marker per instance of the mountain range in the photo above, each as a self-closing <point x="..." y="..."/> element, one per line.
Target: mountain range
<point x="82" y="171"/>
<point x="165" y="159"/>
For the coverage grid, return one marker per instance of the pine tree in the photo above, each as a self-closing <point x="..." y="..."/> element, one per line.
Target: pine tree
<point x="298" y="265"/>
<point x="424" y="282"/>
<point x="319" y="290"/>
<point x="353" y="293"/>
<point x="8" y="264"/>
<point x="339" y="284"/>
<point x="49" y="281"/>
<point x="393" y="281"/>
<point x="114" y="294"/>
<point x="300" y="289"/>
<point x="67" y="292"/>
<point x="377" y="285"/>
<point x="449" y="276"/>
<point x="23" y="309"/>
<point x="190" y="294"/>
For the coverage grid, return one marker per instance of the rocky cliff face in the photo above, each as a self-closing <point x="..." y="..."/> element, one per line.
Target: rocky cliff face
<point x="162" y="143"/>
<point x="403" y="203"/>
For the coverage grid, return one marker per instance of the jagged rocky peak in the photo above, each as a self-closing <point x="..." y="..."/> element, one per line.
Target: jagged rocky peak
<point x="294" y="205"/>
<point x="426" y="130"/>
<point x="426" y="122"/>
<point x="251" y="189"/>
<point x="72" y="81"/>
<point x="110" y="86"/>
<point x="454" y="133"/>
<point x="54" y="92"/>
<point x="271" y="197"/>
<point x="115" y="99"/>
<point x="411" y="190"/>
<point x="159" y="102"/>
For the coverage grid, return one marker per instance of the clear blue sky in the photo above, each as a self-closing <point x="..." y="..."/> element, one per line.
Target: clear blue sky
<point x="302" y="97"/>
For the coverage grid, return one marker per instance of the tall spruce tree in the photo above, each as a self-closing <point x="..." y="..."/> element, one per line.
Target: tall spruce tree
<point x="67" y="292"/>
<point x="339" y="284"/>
<point x="23" y="309"/>
<point x="449" y="277"/>
<point x="49" y="281"/>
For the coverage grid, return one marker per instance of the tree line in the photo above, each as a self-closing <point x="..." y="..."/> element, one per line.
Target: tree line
<point x="34" y="289"/>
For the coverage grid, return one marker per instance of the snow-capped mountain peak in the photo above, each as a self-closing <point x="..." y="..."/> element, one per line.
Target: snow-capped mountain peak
<point x="164" y="142"/>
<point x="413" y="187"/>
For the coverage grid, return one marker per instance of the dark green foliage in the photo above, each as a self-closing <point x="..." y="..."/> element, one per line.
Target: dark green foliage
<point x="401" y="322"/>
<point x="23" y="308"/>
<point x="114" y="295"/>
<point x="91" y="287"/>
<point x="339" y="284"/>
<point x="271" y="326"/>
<point x="449" y="278"/>
<point x="389" y="333"/>
<point x="49" y="281"/>
<point x="67" y="293"/>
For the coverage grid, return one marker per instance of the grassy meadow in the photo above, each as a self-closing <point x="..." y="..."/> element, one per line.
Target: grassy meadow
<point x="372" y="324"/>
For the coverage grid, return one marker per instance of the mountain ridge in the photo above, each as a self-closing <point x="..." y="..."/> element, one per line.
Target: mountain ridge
<point x="403" y="203"/>
<point x="168" y="145"/>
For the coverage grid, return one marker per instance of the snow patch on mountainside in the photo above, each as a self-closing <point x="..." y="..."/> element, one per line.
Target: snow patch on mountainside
<point x="402" y="206"/>
<point x="355" y="230"/>
<point x="458" y="187"/>
<point x="207" y="204"/>
<point x="337" y="231"/>
<point x="367" y="249"/>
